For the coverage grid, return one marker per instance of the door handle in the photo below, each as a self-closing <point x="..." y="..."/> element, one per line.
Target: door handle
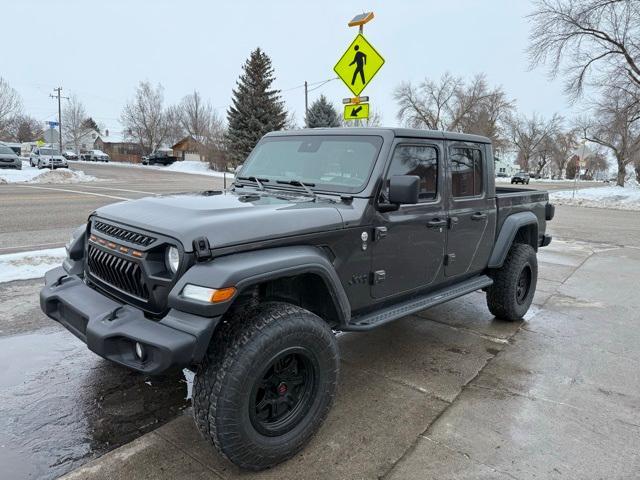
<point x="436" y="223"/>
<point x="478" y="216"/>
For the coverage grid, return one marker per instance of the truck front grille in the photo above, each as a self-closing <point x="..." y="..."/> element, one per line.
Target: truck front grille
<point x="123" y="234"/>
<point x="119" y="272"/>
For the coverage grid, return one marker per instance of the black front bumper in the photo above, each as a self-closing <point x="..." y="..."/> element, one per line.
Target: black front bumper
<point x="111" y="329"/>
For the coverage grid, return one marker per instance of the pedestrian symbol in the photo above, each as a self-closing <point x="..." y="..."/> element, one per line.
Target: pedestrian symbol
<point x="358" y="111"/>
<point x="359" y="64"/>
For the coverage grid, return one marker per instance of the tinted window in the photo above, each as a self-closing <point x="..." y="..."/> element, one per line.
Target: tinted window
<point x="417" y="160"/>
<point x="466" y="171"/>
<point x="333" y="162"/>
<point x="6" y="150"/>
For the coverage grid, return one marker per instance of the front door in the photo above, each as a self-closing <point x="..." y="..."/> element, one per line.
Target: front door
<point x="408" y="246"/>
<point x="471" y="212"/>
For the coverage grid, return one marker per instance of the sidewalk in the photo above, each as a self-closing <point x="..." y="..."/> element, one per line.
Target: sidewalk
<point x="450" y="393"/>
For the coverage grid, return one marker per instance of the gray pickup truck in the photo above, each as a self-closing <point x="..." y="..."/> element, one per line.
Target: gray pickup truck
<point x="324" y="230"/>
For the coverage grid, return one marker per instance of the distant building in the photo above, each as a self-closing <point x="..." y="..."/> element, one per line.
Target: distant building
<point x="189" y="149"/>
<point x="118" y="148"/>
<point x="505" y="166"/>
<point x="85" y="142"/>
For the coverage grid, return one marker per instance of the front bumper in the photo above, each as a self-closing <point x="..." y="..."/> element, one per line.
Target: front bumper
<point x="111" y="329"/>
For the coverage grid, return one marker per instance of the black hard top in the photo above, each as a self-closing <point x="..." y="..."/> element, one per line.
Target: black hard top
<point x="386" y="132"/>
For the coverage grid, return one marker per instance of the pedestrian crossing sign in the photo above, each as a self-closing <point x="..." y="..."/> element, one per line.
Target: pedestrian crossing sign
<point x="359" y="64"/>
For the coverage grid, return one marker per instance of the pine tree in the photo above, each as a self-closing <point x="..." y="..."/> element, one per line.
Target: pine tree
<point x="322" y="114"/>
<point x="256" y="108"/>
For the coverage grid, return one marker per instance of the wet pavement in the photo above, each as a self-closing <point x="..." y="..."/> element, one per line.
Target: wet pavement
<point x="62" y="405"/>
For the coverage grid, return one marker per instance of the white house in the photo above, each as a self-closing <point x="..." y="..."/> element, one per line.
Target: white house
<point x="505" y="165"/>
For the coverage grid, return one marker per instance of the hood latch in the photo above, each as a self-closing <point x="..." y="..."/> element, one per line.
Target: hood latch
<point x="202" y="249"/>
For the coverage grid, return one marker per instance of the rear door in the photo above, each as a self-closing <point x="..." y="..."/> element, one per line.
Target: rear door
<point x="471" y="226"/>
<point x="409" y="243"/>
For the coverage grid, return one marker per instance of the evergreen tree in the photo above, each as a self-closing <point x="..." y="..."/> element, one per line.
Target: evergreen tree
<point x="90" y="124"/>
<point x="256" y="108"/>
<point x="322" y="114"/>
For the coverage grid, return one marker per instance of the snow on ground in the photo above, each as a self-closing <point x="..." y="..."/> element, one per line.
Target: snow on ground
<point x="185" y="166"/>
<point x="25" y="265"/>
<point x="614" y="197"/>
<point x="31" y="174"/>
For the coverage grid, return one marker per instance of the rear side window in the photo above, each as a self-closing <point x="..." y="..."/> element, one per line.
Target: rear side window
<point x="420" y="160"/>
<point x="465" y="164"/>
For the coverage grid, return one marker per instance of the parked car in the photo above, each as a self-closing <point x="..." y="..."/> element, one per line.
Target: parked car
<point x="325" y="230"/>
<point x="521" y="177"/>
<point x="160" y="157"/>
<point x="47" y="157"/>
<point x="8" y="158"/>
<point x="70" y="155"/>
<point x="145" y="159"/>
<point x="94" y="156"/>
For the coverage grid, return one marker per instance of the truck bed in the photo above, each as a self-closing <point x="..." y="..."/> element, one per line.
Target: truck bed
<point x="510" y="200"/>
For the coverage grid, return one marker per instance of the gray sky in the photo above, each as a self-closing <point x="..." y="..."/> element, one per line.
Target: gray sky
<point x="101" y="50"/>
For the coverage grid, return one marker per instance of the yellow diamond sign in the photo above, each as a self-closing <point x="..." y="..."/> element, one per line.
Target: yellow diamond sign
<point x="359" y="64"/>
<point x="358" y="111"/>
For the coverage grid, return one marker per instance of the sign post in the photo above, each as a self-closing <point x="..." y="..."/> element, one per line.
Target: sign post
<point x="357" y="67"/>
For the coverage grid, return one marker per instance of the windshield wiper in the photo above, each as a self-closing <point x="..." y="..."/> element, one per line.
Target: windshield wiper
<point x="299" y="183"/>
<point x="255" y="179"/>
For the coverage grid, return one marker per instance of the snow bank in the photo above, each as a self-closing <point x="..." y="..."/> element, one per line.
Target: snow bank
<point x="617" y="198"/>
<point x="25" y="265"/>
<point x="34" y="175"/>
<point x="63" y="176"/>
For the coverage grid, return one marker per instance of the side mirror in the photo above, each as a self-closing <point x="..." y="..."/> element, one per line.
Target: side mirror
<point x="404" y="189"/>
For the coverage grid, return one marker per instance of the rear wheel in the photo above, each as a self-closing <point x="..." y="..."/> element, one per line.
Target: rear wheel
<point x="267" y="384"/>
<point x="514" y="284"/>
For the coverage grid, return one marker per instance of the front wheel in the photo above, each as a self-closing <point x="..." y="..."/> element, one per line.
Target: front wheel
<point x="514" y="284"/>
<point x="267" y="384"/>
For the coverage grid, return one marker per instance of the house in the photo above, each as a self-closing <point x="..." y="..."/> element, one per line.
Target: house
<point x="85" y="142"/>
<point x="505" y="165"/>
<point x="189" y="148"/>
<point x="118" y="148"/>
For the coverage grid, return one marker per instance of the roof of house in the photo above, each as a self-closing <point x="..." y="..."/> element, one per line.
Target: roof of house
<point x="114" y="137"/>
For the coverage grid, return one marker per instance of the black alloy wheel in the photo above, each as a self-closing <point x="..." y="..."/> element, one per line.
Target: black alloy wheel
<point x="284" y="392"/>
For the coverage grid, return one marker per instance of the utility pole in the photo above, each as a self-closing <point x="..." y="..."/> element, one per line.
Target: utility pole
<point x="58" y="96"/>
<point x="306" y="102"/>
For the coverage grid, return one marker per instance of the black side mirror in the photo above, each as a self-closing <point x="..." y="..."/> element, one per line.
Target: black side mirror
<point x="404" y="189"/>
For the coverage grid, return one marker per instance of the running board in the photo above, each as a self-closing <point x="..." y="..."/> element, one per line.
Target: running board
<point x="389" y="314"/>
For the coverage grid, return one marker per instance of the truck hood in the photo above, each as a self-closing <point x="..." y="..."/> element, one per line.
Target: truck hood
<point x="226" y="219"/>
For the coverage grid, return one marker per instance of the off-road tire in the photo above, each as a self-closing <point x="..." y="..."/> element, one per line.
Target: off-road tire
<point x="503" y="297"/>
<point x="225" y="382"/>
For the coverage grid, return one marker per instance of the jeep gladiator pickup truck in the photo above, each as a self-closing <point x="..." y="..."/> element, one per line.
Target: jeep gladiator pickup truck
<point x="324" y="230"/>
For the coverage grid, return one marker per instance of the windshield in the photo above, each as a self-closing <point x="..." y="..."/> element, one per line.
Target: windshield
<point x="338" y="163"/>
<point x="49" y="151"/>
<point x="4" y="150"/>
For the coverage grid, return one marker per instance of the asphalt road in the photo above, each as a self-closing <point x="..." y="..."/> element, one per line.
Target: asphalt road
<point x="42" y="216"/>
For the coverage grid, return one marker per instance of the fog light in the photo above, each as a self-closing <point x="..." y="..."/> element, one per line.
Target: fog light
<point x="140" y="351"/>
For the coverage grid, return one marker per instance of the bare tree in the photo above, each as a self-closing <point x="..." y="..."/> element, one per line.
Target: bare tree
<point x="10" y="106"/>
<point x="199" y="120"/>
<point x="144" y="118"/>
<point x="596" y="164"/>
<point x="23" y="128"/>
<point x="616" y="126"/>
<point x="75" y="121"/>
<point x="583" y="39"/>
<point x="532" y="137"/>
<point x="564" y="144"/>
<point x="456" y="105"/>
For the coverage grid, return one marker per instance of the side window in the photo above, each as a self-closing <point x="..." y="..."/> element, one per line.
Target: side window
<point x="419" y="160"/>
<point x="466" y="171"/>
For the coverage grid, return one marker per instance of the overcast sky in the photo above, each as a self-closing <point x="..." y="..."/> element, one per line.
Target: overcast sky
<point x="101" y="50"/>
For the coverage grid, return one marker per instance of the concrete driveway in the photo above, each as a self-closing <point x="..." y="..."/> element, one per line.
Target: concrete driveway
<point x="452" y="393"/>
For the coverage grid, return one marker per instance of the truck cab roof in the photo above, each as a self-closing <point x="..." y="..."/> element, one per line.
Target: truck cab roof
<point x="387" y="133"/>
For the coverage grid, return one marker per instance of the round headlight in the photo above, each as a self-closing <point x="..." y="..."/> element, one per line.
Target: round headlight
<point x="173" y="259"/>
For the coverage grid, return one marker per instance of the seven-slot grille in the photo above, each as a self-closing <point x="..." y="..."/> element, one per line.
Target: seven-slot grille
<point x="120" y="272"/>
<point x="123" y="234"/>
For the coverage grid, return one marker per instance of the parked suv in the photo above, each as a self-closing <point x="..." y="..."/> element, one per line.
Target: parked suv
<point x="162" y="157"/>
<point x="324" y="230"/>
<point x="94" y="156"/>
<point x="8" y="158"/>
<point x="521" y="177"/>
<point x="69" y="155"/>
<point x="47" y="157"/>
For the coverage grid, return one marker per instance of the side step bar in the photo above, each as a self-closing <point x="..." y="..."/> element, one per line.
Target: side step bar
<point x="394" y="312"/>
